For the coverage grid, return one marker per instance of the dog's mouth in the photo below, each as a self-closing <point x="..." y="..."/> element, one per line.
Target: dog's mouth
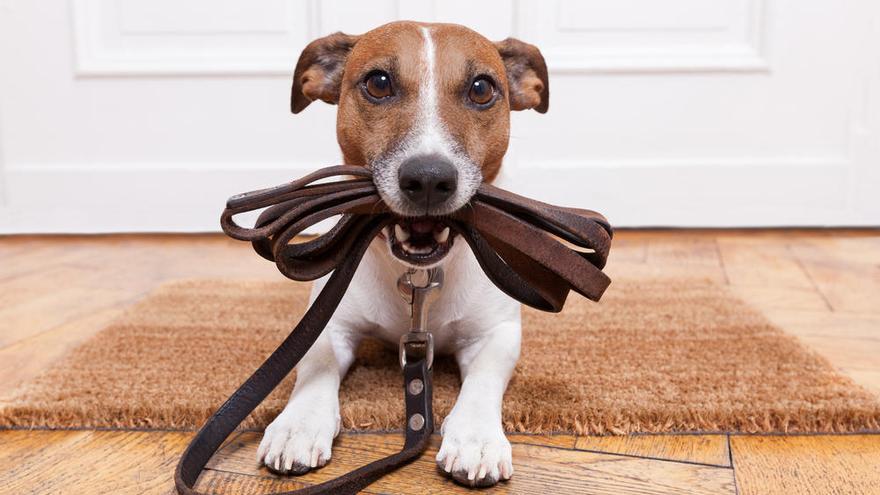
<point x="421" y="241"/>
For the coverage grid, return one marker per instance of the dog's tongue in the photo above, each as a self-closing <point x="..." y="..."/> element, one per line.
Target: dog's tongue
<point x="422" y="226"/>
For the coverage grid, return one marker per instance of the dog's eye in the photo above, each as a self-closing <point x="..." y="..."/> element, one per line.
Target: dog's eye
<point x="482" y="90"/>
<point x="378" y="84"/>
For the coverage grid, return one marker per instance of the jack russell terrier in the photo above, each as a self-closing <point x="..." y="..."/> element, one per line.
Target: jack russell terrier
<point x="426" y="107"/>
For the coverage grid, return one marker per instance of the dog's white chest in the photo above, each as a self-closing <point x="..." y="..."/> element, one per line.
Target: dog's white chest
<point x="468" y="302"/>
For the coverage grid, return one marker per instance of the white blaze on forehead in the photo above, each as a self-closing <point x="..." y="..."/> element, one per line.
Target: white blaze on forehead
<point x="430" y="127"/>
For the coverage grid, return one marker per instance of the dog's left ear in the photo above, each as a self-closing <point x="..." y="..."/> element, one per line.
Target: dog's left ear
<point x="318" y="73"/>
<point x="526" y="75"/>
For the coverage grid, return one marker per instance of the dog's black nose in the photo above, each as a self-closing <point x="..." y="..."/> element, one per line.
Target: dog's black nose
<point x="427" y="180"/>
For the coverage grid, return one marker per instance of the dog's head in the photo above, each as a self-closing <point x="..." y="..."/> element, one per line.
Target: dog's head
<point x="426" y="107"/>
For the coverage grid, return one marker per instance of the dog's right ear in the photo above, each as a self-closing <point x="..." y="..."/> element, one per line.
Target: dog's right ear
<point x="318" y="73"/>
<point x="526" y="75"/>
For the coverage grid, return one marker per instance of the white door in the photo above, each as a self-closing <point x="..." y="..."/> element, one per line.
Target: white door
<point x="135" y="115"/>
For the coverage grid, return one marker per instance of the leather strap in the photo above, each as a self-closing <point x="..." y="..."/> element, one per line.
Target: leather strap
<point x="533" y="251"/>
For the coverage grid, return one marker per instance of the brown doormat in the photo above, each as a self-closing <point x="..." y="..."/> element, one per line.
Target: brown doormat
<point x="651" y="357"/>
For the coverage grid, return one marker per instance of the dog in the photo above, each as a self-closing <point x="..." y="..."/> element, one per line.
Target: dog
<point x="427" y="108"/>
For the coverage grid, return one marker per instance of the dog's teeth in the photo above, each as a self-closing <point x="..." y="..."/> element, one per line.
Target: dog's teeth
<point x="402" y="235"/>
<point x="442" y="236"/>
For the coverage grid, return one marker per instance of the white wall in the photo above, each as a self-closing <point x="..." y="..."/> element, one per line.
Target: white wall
<point x="137" y="115"/>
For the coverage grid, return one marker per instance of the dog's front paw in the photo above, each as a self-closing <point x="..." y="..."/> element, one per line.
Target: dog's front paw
<point x="299" y="440"/>
<point x="474" y="452"/>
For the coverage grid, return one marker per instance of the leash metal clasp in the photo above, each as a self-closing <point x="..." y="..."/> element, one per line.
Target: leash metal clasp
<point x="419" y="294"/>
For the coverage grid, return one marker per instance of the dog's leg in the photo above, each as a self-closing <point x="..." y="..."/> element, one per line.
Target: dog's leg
<point x="475" y="451"/>
<point x="300" y="438"/>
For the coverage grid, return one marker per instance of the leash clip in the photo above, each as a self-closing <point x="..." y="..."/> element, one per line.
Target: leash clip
<point x="419" y="341"/>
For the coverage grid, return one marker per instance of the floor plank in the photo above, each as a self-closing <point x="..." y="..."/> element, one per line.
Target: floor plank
<point x="770" y="298"/>
<point x="537" y="469"/>
<point x="756" y="262"/>
<point x="223" y="483"/>
<point x="88" y="462"/>
<point x="629" y="250"/>
<point x="562" y="441"/>
<point x="846" y="271"/>
<point x="682" y="256"/>
<point x="809" y="323"/>
<point x="821" y="285"/>
<point x="703" y="449"/>
<point x="684" y="249"/>
<point x="843" y="464"/>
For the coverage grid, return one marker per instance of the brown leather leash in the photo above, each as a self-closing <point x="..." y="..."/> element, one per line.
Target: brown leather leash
<point x="533" y="251"/>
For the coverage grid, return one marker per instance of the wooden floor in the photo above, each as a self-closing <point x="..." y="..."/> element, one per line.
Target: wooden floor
<point x="823" y="286"/>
